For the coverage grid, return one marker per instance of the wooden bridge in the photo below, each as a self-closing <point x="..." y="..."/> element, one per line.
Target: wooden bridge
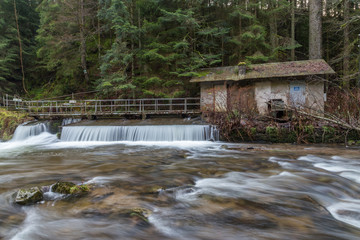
<point x="103" y="108"/>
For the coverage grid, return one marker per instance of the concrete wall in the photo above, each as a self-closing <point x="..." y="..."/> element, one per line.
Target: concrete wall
<point x="280" y="89"/>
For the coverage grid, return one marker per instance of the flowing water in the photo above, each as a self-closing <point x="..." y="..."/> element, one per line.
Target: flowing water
<point x="191" y="188"/>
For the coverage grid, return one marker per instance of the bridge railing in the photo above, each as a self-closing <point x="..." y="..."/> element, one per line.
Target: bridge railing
<point x="10" y="102"/>
<point x="111" y="106"/>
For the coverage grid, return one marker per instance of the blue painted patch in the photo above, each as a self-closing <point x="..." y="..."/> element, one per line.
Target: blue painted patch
<point x="296" y="89"/>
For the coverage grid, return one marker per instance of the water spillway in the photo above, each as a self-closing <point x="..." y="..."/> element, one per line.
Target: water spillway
<point x="68" y="121"/>
<point x="140" y="133"/>
<point x="25" y="131"/>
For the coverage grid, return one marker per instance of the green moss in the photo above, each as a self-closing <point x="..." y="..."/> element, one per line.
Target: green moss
<point x="9" y="121"/>
<point x="78" y="189"/>
<point x="140" y="215"/>
<point x="63" y="187"/>
<point x="70" y="188"/>
<point x="202" y="74"/>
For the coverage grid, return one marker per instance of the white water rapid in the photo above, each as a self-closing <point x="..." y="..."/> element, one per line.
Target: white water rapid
<point x="140" y="133"/>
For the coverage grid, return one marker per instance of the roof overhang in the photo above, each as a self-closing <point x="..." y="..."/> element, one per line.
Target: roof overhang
<point x="265" y="71"/>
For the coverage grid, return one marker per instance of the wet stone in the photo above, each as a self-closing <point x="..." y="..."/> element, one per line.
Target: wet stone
<point x="70" y="188"/>
<point x="138" y="216"/>
<point x="29" y="196"/>
<point x="152" y="190"/>
<point x="62" y="187"/>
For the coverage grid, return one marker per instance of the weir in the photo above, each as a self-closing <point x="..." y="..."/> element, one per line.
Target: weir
<point x="140" y="133"/>
<point x="24" y="131"/>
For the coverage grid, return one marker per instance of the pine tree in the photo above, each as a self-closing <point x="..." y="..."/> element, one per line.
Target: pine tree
<point x="65" y="30"/>
<point x="11" y="73"/>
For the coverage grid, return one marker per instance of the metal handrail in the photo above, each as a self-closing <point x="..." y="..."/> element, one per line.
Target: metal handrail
<point x="109" y="106"/>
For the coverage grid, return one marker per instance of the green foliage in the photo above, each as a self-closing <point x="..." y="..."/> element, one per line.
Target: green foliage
<point x="151" y="47"/>
<point x="10" y="74"/>
<point x="9" y="122"/>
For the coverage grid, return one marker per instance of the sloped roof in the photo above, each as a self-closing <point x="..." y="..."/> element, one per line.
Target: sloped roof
<point x="267" y="70"/>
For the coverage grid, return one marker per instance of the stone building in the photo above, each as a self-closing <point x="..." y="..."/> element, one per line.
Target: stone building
<point x="264" y="88"/>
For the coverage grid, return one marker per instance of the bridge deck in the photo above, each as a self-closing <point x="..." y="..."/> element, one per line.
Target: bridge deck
<point x="111" y="107"/>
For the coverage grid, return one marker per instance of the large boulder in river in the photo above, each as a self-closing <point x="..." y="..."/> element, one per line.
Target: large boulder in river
<point x="29" y="196"/>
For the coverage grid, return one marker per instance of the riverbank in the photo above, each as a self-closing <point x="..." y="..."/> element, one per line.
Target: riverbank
<point x="9" y="121"/>
<point x="297" y="130"/>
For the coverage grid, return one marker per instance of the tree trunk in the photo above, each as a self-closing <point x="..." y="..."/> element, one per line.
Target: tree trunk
<point x="293" y="30"/>
<point x="83" y="42"/>
<point x="132" y="40"/>
<point x="273" y="27"/>
<point x="346" y="61"/>
<point x="240" y="33"/>
<point x="20" y="47"/>
<point x="315" y="29"/>
<point x="99" y="34"/>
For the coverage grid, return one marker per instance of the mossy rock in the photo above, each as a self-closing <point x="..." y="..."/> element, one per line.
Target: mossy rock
<point x="79" y="189"/>
<point x="29" y="196"/>
<point x="140" y="216"/>
<point x="70" y="188"/>
<point x="153" y="189"/>
<point x="62" y="187"/>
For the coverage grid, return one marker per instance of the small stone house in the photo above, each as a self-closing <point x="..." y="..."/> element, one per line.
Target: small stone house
<point x="264" y="88"/>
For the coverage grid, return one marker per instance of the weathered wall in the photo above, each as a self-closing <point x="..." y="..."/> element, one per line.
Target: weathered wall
<point x="242" y="98"/>
<point x="206" y="97"/>
<point x="213" y="97"/>
<point x="315" y="96"/>
<point x="262" y="96"/>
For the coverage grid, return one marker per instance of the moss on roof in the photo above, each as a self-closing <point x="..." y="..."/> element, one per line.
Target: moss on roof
<point x="267" y="70"/>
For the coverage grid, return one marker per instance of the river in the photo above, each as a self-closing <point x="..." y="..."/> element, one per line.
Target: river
<point x="191" y="189"/>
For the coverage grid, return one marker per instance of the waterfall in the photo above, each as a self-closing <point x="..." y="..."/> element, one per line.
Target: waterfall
<point x="140" y="133"/>
<point x="67" y="121"/>
<point x="24" y="131"/>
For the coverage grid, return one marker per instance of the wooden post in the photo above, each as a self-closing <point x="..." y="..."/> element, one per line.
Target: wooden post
<point x="185" y="107"/>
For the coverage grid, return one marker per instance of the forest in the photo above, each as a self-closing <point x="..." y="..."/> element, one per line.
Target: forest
<point x="151" y="48"/>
